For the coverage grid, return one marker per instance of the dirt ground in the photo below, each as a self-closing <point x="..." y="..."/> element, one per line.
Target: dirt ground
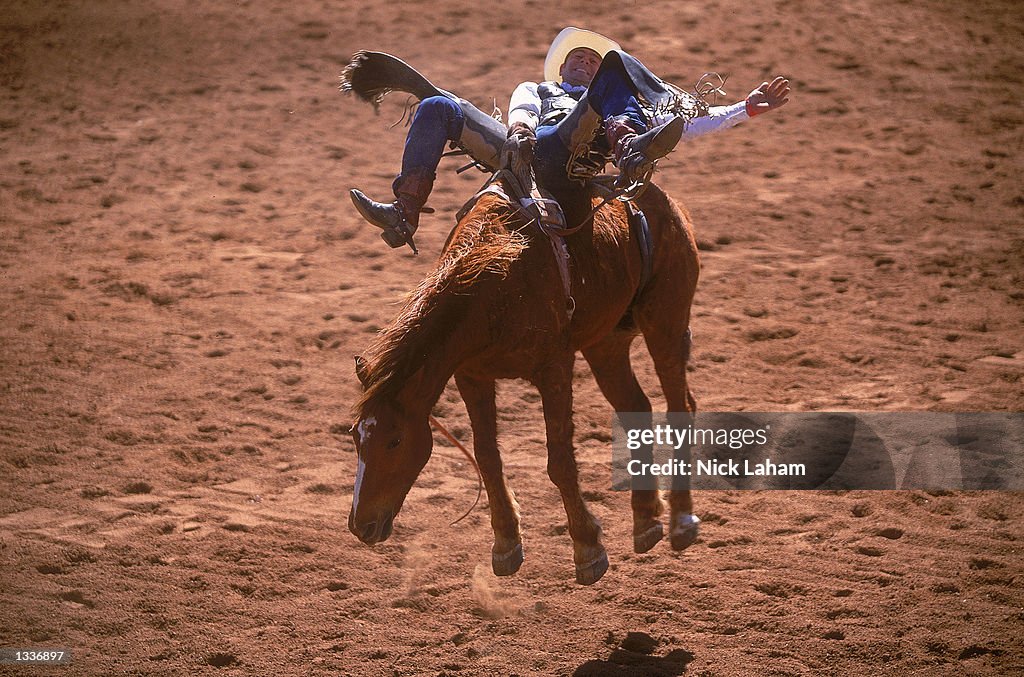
<point x="184" y="284"/>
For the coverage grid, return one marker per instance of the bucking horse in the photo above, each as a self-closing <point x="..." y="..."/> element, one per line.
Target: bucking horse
<point x="498" y="305"/>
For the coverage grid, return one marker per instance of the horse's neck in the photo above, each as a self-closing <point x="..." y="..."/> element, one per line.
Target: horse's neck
<point x="445" y="346"/>
<point x="422" y="390"/>
<point x="453" y="324"/>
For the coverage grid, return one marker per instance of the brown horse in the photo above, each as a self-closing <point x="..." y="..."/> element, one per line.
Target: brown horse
<point x="494" y="307"/>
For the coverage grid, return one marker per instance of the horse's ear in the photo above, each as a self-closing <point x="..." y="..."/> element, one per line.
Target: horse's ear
<point x="361" y="369"/>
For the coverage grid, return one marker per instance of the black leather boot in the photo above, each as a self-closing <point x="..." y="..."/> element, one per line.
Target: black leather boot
<point x="398" y="219"/>
<point x="635" y="154"/>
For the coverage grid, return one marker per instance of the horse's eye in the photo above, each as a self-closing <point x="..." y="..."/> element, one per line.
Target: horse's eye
<point x="394" y="443"/>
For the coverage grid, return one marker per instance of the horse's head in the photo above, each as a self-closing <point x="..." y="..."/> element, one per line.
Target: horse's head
<point x="392" y="446"/>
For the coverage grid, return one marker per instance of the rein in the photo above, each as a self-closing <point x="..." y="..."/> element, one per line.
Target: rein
<point x="479" y="477"/>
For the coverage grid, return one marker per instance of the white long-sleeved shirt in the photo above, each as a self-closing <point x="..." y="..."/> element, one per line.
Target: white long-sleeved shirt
<point x="524" y="106"/>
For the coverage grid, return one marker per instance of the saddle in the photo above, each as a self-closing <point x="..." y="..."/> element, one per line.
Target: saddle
<point x="545" y="213"/>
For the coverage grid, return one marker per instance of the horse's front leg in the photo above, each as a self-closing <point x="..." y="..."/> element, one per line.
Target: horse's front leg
<point x="555" y="385"/>
<point x="507" y="553"/>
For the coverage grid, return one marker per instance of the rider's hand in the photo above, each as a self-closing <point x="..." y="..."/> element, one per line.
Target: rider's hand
<point x="768" y="96"/>
<point x="521" y="129"/>
<point x="517" y="153"/>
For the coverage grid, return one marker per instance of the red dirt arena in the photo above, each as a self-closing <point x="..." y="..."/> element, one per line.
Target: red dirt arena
<point x="185" y="283"/>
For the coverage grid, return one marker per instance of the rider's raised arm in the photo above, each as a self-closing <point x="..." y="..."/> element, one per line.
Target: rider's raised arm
<point x="718" y="118"/>
<point x="524" y="106"/>
<point x="765" y="97"/>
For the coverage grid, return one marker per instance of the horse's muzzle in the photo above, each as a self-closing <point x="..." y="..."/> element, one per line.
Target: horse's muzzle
<point x="373" y="532"/>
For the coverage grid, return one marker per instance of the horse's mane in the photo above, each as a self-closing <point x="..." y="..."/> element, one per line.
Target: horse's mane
<point x="484" y="245"/>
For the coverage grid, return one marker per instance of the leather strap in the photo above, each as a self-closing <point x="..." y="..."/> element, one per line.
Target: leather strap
<point x="539" y="209"/>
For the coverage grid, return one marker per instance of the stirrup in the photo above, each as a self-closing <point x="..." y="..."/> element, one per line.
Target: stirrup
<point x="388" y="217"/>
<point x="396" y="237"/>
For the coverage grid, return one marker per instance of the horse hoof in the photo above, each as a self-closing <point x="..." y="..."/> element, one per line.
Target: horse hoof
<point x="591" y="572"/>
<point x="684" y="531"/>
<point x="649" y="538"/>
<point x="509" y="562"/>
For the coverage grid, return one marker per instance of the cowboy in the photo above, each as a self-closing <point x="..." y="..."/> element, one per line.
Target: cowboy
<point x="590" y="85"/>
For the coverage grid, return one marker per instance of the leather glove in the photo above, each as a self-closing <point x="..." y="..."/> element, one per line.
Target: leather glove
<point x="768" y="96"/>
<point x="517" y="153"/>
<point x="521" y="129"/>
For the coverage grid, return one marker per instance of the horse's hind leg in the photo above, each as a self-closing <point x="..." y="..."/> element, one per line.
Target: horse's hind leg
<point x="609" y="362"/>
<point x="507" y="553"/>
<point x="555" y="385"/>
<point x="668" y="341"/>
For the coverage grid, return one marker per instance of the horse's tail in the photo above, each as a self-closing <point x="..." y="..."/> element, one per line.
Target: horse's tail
<point x="372" y="75"/>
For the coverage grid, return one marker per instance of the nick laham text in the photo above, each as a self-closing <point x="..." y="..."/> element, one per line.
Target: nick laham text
<point x="729" y="468"/>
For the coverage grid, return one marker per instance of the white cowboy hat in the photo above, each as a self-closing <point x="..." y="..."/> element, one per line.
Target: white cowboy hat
<point x="569" y="39"/>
